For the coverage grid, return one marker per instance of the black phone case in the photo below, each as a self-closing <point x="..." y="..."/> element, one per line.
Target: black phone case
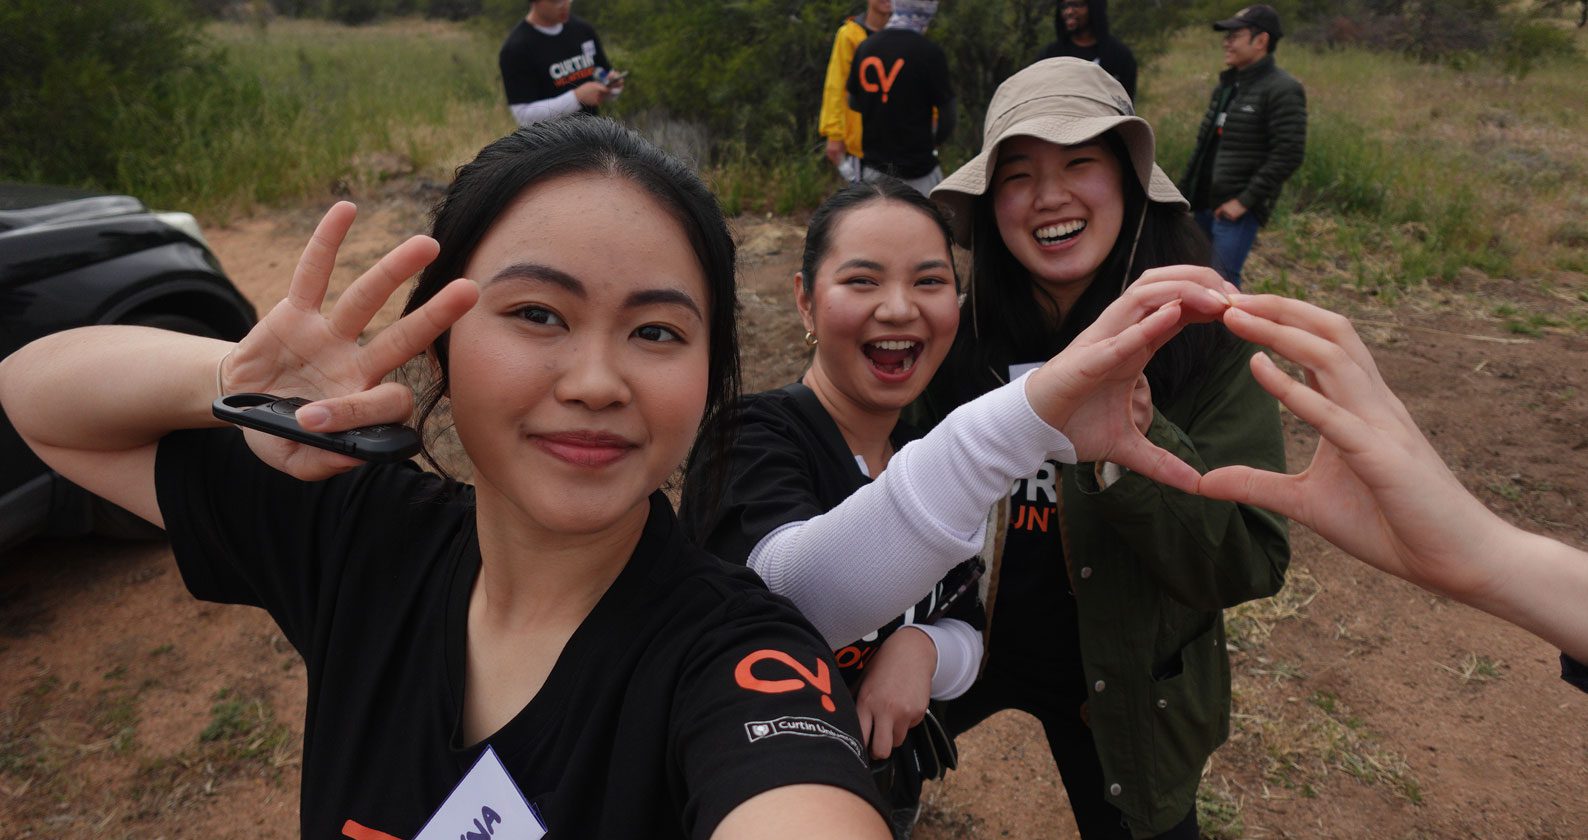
<point x="276" y="416"/>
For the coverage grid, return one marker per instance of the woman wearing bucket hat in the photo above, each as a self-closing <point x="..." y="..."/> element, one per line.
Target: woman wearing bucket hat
<point x="1106" y="587"/>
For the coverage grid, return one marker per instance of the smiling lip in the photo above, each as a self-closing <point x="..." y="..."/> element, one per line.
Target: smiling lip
<point x="1062" y="244"/>
<point x="893" y="364"/>
<point x="585" y="448"/>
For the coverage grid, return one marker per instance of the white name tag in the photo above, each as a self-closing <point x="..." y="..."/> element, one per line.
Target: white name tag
<point x="1017" y="371"/>
<point x="486" y="805"/>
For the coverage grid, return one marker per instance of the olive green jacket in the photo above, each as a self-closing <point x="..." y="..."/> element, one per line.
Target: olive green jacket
<point x="1263" y="141"/>
<point x="1152" y="569"/>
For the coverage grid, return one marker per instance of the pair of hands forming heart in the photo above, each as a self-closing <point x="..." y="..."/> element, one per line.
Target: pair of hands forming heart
<point x="1375" y="487"/>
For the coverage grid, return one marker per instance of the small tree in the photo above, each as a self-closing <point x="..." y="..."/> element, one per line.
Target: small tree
<point x="70" y="72"/>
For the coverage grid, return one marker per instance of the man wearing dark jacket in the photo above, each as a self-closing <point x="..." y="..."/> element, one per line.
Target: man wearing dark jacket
<point x="1252" y="139"/>
<point x="1082" y="30"/>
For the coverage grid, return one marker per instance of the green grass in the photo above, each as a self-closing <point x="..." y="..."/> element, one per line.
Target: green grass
<point x="303" y="107"/>
<point x="1414" y="172"/>
<point x="745" y="184"/>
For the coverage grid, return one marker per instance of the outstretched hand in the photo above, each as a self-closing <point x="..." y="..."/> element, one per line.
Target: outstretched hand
<point x="296" y="351"/>
<point x="1375" y="487"/>
<point x="1091" y="391"/>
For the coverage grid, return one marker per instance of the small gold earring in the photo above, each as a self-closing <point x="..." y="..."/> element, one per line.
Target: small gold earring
<point x="810" y="340"/>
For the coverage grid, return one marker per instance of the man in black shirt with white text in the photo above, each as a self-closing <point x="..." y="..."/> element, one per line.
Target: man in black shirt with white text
<point x="552" y="64"/>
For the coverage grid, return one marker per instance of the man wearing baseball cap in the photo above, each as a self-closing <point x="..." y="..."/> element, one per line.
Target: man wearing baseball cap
<point x="1252" y="139"/>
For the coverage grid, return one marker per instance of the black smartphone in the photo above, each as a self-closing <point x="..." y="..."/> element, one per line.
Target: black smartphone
<point x="276" y="416"/>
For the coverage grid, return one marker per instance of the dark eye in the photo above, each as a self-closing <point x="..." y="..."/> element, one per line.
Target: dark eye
<point x="859" y="280"/>
<point x="541" y="315"/>
<point x="931" y="281"/>
<point x="1081" y="160"/>
<point x="657" y="333"/>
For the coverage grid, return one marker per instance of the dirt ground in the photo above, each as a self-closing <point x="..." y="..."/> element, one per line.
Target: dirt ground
<point x="1363" y="707"/>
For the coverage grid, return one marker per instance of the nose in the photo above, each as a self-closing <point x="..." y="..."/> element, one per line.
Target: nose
<point x="592" y="377"/>
<point x="1053" y="192"/>
<point x="898" y="304"/>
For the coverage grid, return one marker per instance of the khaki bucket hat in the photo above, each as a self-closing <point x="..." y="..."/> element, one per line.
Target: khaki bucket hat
<point x="1061" y="100"/>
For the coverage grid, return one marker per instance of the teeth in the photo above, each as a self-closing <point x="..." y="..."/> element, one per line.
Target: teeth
<point x="906" y="364"/>
<point x="900" y="344"/>
<point x="1061" y="230"/>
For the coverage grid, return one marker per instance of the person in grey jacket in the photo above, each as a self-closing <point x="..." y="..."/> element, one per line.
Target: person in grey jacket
<point x="1252" y="139"/>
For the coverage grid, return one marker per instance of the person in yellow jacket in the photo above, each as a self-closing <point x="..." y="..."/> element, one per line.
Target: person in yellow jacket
<point x="840" y="124"/>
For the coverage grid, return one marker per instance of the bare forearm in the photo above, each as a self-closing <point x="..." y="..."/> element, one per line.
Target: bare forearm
<point x="110" y="388"/>
<point x="1543" y="588"/>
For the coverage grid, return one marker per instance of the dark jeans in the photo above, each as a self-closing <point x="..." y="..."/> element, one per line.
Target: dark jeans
<point x="1232" y="241"/>
<point x="1058" y="707"/>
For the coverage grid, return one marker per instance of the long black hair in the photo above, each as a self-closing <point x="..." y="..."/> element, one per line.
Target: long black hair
<point x="1004" y="324"/>
<point x="486" y="186"/>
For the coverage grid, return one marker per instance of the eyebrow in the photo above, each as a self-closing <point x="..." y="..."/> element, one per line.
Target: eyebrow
<point x="538" y="273"/>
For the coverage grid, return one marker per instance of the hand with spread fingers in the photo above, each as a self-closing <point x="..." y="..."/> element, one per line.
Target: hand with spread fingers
<point x="1093" y="391"/>
<point x="296" y="351"/>
<point x="1377" y="488"/>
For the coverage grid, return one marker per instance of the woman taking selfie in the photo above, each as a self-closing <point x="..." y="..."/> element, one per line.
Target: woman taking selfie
<point x="1107" y="587"/>
<point x="548" y="623"/>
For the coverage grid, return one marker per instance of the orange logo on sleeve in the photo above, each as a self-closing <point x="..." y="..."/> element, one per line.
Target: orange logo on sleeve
<point x="821" y="680"/>
<point x="885" y="79"/>
<point x="358" y="832"/>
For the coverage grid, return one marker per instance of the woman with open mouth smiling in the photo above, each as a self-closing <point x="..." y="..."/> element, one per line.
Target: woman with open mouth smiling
<point x="877" y="294"/>
<point x="1105" y="610"/>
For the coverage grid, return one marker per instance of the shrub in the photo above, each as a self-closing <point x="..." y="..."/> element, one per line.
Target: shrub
<point x="76" y="78"/>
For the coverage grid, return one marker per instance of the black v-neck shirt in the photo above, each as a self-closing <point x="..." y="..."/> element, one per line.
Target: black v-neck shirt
<point x="687" y="690"/>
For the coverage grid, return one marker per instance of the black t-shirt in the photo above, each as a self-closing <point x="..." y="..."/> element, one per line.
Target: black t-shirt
<point x="656" y="720"/>
<point x="1035" y="623"/>
<point x="1108" y="53"/>
<point x="789" y="463"/>
<point x="897" y="78"/>
<point x="538" y="66"/>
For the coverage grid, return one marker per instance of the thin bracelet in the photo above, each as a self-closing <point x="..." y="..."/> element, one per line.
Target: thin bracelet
<point x="220" y="390"/>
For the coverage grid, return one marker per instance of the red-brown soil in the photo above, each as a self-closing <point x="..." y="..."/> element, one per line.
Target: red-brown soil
<point x="1364" y="706"/>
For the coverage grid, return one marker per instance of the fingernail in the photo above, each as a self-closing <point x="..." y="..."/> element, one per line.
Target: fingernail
<point x="1236" y="312"/>
<point x="312" y="416"/>
<point x="1218" y="296"/>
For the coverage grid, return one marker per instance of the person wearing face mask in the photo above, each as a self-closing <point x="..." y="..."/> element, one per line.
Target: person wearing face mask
<point x="1082" y="32"/>
<point x="1252" y="139"/>
<point x="899" y="84"/>
<point x="839" y="123"/>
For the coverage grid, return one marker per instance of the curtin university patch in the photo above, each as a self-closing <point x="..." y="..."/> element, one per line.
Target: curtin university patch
<point x="758" y="730"/>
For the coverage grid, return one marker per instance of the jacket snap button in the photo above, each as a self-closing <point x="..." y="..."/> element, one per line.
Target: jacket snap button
<point x="1086" y="572"/>
<point x="1114" y="789"/>
<point x="1099" y="686"/>
<point x="1163" y="704"/>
